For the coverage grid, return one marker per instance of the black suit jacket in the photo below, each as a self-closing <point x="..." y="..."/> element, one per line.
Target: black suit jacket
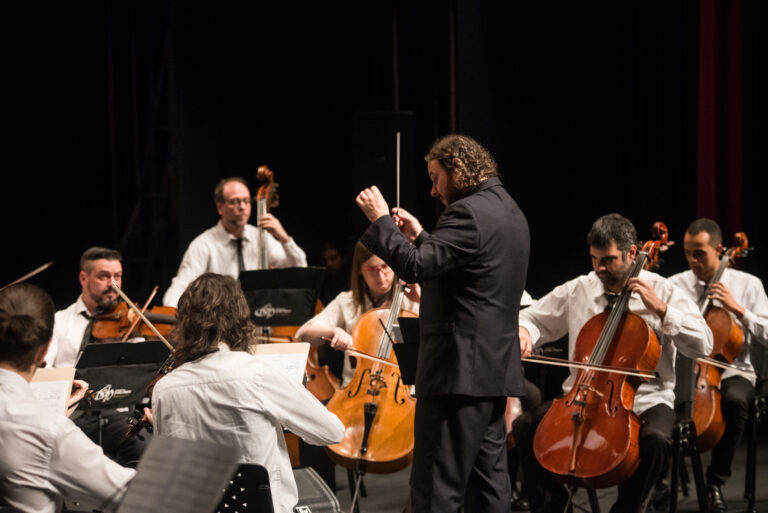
<point x="472" y="270"/>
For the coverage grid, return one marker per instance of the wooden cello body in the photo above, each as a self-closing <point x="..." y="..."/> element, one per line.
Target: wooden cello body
<point x="728" y="340"/>
<point x="590" y="437"/>
<point x="376" y="407"/>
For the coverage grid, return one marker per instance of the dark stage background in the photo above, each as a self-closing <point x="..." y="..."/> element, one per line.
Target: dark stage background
<point x="120" y="117"/>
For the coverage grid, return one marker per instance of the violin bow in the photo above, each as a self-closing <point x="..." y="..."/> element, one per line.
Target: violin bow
<point x="727" y="366"/>
<point x="558" y="362"/>
<point x="29" y="275"/>
<point x="141" y="315"/>
<point x="137" y="319"/>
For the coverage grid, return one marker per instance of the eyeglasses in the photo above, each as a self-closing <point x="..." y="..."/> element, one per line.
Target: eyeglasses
<point x="374" y="269"/>
<point x="236" y="201"/>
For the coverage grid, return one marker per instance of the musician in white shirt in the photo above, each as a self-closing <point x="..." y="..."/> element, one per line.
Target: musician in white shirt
<point x="743" y="296"/>
<point x="216" y="249"/>
<point x="673" y="317"/>
<point x="44" y="457"/>
<point x="373" y="284"/>
<point x="220" y="392"/>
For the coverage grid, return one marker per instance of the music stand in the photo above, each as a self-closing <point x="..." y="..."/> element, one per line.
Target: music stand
<point x="282" y="297"/>
<point x="119" y="373"/>
<point x="406" y="348"/>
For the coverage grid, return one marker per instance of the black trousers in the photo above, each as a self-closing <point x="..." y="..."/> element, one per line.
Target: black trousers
<point x="108" y="428"/>
<point x="546" y="493"/>
<point x="530" y="401"/>
<point x="737" y="393"/>
<point x="459" y="455"/>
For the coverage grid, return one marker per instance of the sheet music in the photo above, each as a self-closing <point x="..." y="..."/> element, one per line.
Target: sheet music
<point x="290" y="358"/>
<point x="183" y="476"/>
<point x="51" y="387"/>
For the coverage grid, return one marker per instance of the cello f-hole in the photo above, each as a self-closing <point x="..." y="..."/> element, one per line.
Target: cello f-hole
<point x="401" y="400"/>
<point x="350" y="394"/>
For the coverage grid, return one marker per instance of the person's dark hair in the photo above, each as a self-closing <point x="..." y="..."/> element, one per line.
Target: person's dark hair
<point x="356" y="280"/>
<point x="465" y="159"/>
<point x="706" y="225"/>
<point x="97" y="253"/>
<point x="26" y="323"/>
<point x="218" y="191"/>
<point x="612" y="228"/>
<point x="212" y="309"/>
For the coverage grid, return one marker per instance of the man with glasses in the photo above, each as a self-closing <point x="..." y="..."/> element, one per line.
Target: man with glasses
<point x="232" y="245"/>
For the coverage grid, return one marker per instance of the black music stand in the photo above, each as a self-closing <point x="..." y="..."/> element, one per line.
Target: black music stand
<point x="406" y="348"/>
<point x="120" y="372"/>
<point x="282" y="297"/>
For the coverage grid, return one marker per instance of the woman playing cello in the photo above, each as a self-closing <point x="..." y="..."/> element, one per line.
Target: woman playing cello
<point x="373" y="283"/>
<point x="665" y="313"/>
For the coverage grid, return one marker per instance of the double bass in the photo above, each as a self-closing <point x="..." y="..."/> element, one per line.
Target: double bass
<point x="590" y="437"/>
<point x="376" y="406"/>
<point x="728" y="339"/>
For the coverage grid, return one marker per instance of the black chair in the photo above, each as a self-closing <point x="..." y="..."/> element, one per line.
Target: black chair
<point x="684" y="437"/>
<point x="248" y="491"/>
<point x="758" y="412"/>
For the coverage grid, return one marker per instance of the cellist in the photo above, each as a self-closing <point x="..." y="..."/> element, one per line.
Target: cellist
<point x="743" y="296"/>
<point x="373" y="283"/>
<point x="673" y="317"/>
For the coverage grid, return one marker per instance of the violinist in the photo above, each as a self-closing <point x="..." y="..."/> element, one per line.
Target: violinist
<point x="44" y="457"/>
<point x="232" y="245"/>
<point x="472" y="270"/>
<point x="72" y="332"/>
<point x="220" y="392"/>
<point x="744" y="297"/>
<point x="668" y="312"/>
<point x="373" y="283"/>
<point x="98" y="268"/>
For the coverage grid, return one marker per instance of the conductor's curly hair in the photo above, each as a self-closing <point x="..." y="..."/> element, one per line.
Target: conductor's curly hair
<point x="465" y="158"/>
<point x="212" y="309"/>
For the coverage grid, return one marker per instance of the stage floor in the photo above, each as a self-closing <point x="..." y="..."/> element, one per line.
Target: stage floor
<point x="387" y="493"/>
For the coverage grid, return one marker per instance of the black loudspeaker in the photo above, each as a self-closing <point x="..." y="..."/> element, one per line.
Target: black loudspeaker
<point x="314" y="494"/>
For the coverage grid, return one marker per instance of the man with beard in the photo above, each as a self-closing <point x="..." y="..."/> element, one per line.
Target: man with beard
<point x="472" y="270"/>
<point x="99" y="267"/>
<point x="672" y="316"/>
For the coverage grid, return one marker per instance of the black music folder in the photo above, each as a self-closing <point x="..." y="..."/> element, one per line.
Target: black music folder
<point x="282" y="297"/>
<point x="406" y="347"/>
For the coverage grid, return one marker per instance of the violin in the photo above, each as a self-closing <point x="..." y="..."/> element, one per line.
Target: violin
<point x="376" y="406"/>
<point x="118" y="323"/>
<point x="728" y="339"/>
<point x="590" y="437"/>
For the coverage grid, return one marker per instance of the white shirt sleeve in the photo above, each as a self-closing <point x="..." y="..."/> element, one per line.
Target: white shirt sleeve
<point x="288" y="254"/>
<point x="81" y="471"/>
<point x="547" y="319"/>
<point x="755" y="318"/>
<point x="194" y="263"/>
<point x="683" y="323"/>
<point x="296" y="409"/>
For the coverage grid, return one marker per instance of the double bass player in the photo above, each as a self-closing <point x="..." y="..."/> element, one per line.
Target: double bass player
<point x="672" y="316"/>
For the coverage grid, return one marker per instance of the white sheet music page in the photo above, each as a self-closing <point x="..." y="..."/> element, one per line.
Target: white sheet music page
<point x="51" y="387"/>
<point x="180" y="476"/>
<point x="290" y="358"/>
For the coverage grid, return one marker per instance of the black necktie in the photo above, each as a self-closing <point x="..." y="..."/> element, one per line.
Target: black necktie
<point x="240" y="261"/>
<point x="611" y="298"/>
<point x="86" y="335"/>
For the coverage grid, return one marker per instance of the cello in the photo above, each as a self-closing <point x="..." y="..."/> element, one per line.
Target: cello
<point x="376" y="406"/>
<point x="590" y="437"/>
<point x="728" y="339"/>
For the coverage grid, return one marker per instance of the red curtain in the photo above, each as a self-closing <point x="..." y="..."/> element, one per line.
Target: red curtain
<point x="720" y="146"/>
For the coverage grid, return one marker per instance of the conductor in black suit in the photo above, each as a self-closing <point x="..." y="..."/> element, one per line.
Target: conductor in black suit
<point x="472" y="270"/>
